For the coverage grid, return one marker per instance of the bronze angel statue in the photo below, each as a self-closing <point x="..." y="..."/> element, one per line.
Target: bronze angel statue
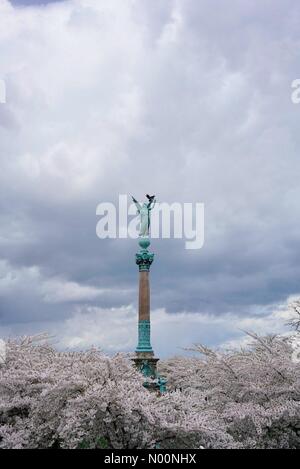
<point x="144" y="211"/>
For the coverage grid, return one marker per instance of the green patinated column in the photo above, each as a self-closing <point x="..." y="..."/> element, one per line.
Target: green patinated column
<point x="144" y="359"/>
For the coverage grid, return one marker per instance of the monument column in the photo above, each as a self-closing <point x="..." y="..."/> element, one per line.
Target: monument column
<point x="144" y="359"/>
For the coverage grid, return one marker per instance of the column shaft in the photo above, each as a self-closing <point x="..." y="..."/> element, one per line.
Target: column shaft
<point x="144" y="296"/>
<point x="144" y="341"/>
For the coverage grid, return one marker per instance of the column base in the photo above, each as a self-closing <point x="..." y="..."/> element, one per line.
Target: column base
<point x="142" y="349"/>
<point x="146" y="363"/>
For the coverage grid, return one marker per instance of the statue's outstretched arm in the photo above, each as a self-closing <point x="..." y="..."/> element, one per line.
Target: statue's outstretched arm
<point x="138" y="206"/>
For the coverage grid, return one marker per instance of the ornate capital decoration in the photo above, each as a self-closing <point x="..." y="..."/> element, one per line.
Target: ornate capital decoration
<point x="144" y="259"/>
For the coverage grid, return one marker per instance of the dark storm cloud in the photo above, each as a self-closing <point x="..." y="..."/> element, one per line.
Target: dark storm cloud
<point x="183" y="100"/>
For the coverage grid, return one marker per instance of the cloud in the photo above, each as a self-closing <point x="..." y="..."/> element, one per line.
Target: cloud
<point x="180" y="99"/>
<point x="115" y="329"/>
<point x="29" y="286"/>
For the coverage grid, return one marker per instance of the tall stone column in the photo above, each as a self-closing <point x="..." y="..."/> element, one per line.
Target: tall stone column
<point x="144" y="359"/>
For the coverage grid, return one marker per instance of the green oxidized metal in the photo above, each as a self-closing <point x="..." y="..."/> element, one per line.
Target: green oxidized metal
<point x="162" y="384"/>
<point x="144" y="258"/>
<point x="144" y="344"/>
<point x="146" y="369"/>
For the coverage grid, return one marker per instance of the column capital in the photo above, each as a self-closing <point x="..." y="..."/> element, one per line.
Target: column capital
<point x="144" y="258"/>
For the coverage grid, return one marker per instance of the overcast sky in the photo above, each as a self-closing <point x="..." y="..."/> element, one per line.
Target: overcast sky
<point x="183" y="99"/>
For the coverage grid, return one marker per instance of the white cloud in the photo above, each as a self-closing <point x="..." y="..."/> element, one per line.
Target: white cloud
<point x="114" y="329"/>
<point x="58" y="290"/>
<point x="50" y="290"/>
<point x="111" y="329"/>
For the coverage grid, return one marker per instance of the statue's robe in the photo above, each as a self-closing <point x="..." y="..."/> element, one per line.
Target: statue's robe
<point x="144" y="212"/>
<point x="145" y="219"/>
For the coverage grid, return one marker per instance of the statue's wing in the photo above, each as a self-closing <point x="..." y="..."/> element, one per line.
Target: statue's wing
<point x="151" y="205"/>
<point x="138" y="206"/>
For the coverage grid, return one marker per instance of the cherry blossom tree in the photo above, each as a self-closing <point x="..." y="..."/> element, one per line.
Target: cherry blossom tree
<point x="246" y="398"/>
<point x="85" y="399"/>
<point x="295" y="320"/>
<point x="254" y="391"/>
